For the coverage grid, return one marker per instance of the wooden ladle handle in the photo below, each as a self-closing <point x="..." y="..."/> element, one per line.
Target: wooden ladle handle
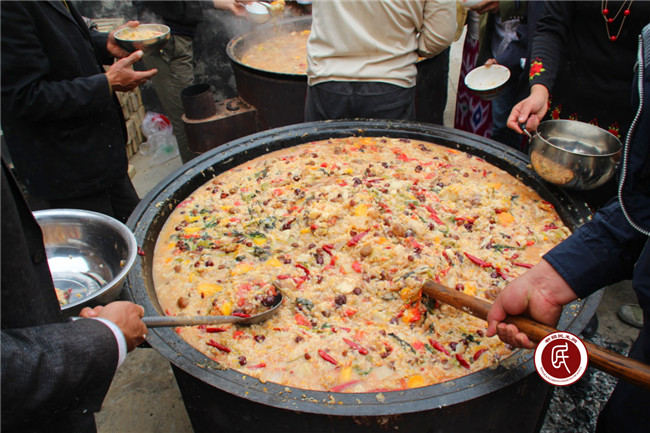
<point x="628" y="369"/>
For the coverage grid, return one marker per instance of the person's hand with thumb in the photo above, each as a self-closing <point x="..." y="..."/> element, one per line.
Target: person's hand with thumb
<point x="122" y="77"/>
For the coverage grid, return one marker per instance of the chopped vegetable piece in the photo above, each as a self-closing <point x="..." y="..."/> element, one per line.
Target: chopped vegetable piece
<point x="218" y="346"/>
<point x="327" y="357"/>
<point x="461" y="360"/>
<point x="439" y="347"/>
<point x="356" y="346"/>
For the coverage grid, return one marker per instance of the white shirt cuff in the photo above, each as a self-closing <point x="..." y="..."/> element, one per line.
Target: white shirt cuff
<point x="121" y="341"/>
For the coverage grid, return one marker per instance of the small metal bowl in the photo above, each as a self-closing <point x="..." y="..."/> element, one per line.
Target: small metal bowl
<point x="89" y="255"/>
<point x="574" y="154"/>
<point x="487" y="81"/>
<point x="133" y="39"/>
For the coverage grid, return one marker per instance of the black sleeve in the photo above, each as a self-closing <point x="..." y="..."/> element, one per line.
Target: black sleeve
<point x="549" y="41"/>
<point x="55" y="368"/>
<point x="48" y="77"/>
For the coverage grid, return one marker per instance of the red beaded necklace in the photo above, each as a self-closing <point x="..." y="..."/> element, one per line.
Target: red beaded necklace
<point x="609" y="20"/>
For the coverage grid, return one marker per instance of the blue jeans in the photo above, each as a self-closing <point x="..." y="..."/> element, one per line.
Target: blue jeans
<point x="501" y="107"/>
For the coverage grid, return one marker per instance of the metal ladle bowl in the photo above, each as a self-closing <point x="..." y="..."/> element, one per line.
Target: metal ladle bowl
<point x="574" y="154"/>
<point x="163" y="321"/>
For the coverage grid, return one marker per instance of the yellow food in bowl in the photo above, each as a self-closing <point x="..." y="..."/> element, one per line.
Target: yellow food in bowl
<point x="140" y="34"/>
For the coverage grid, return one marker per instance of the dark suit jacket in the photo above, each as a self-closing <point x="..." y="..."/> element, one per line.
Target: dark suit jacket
<point x="55" y="373"/>
<point x="64" y="127"/>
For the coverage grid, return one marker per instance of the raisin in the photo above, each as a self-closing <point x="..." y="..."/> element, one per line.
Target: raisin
<point x="182" y="302"/>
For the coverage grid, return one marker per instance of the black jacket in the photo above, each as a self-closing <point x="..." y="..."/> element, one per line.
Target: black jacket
<point x="182" y="17"/>
<point x="63" y="126"/>
<point x="55" y="373"/>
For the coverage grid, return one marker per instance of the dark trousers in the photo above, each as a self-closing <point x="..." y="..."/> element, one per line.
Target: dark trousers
<point x="359" y="100"/>
<point x="628" y="408"/>
<point x="118" y="201"/>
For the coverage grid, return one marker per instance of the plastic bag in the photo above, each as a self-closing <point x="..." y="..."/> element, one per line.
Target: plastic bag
<point x="163" y="147"/>
<point x="161" y="143"/>
<point x="154" y="123"/>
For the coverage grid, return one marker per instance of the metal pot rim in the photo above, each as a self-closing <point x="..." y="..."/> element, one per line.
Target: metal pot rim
<point x="162" y="199"/>
<point x="567" y="121"/>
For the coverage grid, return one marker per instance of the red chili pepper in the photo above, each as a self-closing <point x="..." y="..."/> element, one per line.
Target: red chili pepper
<point x="244" y="315"/>
<point x="327" y="358"/>
<point x="501" y="273"/>
<point x="301" y="320"/>
<point x="479" y="353"/>
<point x="328" y="249"/>
<point x="376" y="390"/>
<point x="141" y="251"/>
<point x="342" y="386"/>
<point x="444" y="254"/>
<point x="434" y="214"/>
<point x="238" y="334"/>
<point x="304" y="268"/>
<point x="478" y="261"/>
<point x="439" y="347"/>
<point x="385" y="207"/>
<point x="357" y="266"/>
<point x="184" y="202"/>
<point x="523" y="265"/>
<point x="356" y="238"/>
<point x="356" y="346"/>
<point x="218" y="346"/>
<point x="350" y="312"/>
<point x="550" y="226"/>
<point x="213" y="329"/>
<point x="461" y="360"/>
<point x="261" y="365"/>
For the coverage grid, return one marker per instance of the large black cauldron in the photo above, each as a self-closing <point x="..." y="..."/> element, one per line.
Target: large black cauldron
<point x="280" y="97"/>
<point x="509" y="397"/>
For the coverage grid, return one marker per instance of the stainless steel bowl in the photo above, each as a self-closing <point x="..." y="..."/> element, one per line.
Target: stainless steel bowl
<point x="125" y="37"/>
<point x="574" y="154"/>
<point x="89" y="255"/>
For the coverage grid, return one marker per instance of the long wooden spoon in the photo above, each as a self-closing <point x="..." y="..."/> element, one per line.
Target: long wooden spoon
<point x="628" y="369"/>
